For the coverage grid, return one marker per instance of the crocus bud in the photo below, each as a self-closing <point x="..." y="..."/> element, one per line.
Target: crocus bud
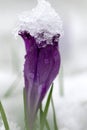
<point x="40" y="30"/>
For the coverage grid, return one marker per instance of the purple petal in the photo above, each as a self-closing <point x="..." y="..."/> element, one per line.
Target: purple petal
<point x="48" y="68"/>
<point x="40" y="69"/>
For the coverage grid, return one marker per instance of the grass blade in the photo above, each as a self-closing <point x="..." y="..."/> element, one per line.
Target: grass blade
<point x="46" y="108"/>
<point x="45" y="120"/>
<point x="61" y="82"/>
<point x="54" y="115"/>
<point x="48" y="101"/>
<point x="4" y="118"/>
<point x="25" y="112"/>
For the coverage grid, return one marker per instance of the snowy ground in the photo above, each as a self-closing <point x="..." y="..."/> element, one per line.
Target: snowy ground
<point x="71" y="109"/>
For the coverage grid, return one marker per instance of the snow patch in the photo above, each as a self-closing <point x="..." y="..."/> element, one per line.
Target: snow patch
<point x="43" y="20"/>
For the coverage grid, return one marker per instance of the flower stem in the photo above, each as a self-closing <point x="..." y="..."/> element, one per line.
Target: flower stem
<point x="45" y="120"/>
<point x="61" y="84"/>
<point x="41" y="115"/>
<point x="25" y="113"/>
<point x="4" y="118"/>
<point x="54" y="115"/>
<point x="45" y="112"/>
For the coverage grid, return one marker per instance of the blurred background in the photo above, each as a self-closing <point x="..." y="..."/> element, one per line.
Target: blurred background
<point x="70" y="92"/>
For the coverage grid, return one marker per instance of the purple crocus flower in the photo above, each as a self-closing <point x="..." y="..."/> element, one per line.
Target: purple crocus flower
<point x="40" y="69"/>
<point x="42" y="61"/>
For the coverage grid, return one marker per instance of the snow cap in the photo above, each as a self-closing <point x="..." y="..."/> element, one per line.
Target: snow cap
<point x="42" y="19"/>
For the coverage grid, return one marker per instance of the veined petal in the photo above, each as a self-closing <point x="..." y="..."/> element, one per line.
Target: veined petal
<point x="40" y="69"/>
<point x="30" y="57"/>
<point x="48" y="68"/>
<point x="42" y="60"/>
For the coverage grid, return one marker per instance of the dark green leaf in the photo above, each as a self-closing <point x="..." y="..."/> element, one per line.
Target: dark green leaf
<point x="54" y="115"/>
<point x="45" y="120"/>
<point x="4" y="118"/>
<point x="46" y="108"/>
<point x="25" y="112"/>
<point x="61" y="83"/>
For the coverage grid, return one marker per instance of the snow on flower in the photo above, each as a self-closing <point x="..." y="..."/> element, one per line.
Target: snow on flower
<point x="40" y="30"/>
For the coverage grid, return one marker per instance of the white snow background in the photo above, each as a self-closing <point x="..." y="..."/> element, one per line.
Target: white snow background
<point x="71" y="108"/>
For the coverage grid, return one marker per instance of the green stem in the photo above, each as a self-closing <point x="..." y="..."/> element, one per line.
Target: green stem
<point x="41" y="115"/>
<point x="47" y="125"/>
<point x="61" y="84"/>
<point x="25" y="113"/>
<point x="54" y="115"/>
<point x="4" y="118"/>
<point x="45" y="112"/>
<point x="45" y="120"/>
